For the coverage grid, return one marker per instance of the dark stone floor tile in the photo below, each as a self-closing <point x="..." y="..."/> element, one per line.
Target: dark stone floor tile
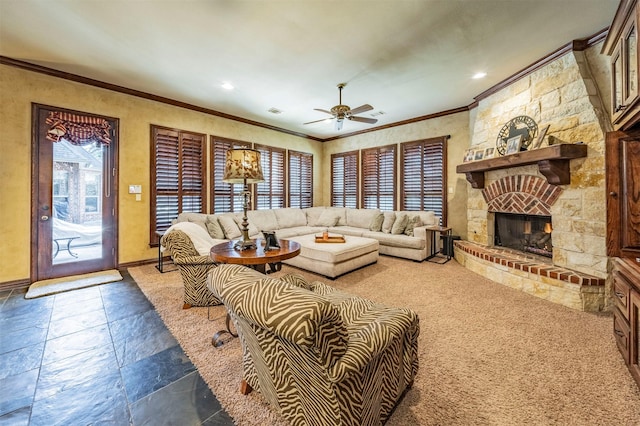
<point x="140" y="336"/>
<point x="101" y="402"/>
<point x="19" y="417"/>
<point x="75" y="323"/>
<point x="18" y="339"/>
<point x="17" y="391"/>
<point x="66" y="310"/>
<point x="77" y="296"/>
<point x="123" y="308"/>
<point x="155" y="372"/>
<point x="21" y="360"/>
<point x="10" y="321"/>
<point x="83" y="369"/>
<point x="18" y="304"/>
<point x="75" y="343"/>
<point x="187" y="401"/>
<point x="120" y="289"/>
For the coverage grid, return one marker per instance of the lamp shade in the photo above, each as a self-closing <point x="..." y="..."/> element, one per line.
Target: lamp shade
<point x="243" y="166"/>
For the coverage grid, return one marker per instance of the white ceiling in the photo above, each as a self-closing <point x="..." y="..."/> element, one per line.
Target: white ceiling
<point x="407" y="58"/>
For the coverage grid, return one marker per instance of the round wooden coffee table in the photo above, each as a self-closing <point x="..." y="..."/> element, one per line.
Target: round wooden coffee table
<point x="256" y="258"/>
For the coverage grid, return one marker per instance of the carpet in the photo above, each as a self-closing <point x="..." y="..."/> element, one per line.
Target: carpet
<point x="59" y="285"/>
<point x="489" y="355"/>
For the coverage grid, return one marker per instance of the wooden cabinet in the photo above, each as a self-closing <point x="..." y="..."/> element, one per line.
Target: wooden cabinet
<point x="622" y="45"/>
<point x="622" y="155"/>
<point x="626" y="314"/>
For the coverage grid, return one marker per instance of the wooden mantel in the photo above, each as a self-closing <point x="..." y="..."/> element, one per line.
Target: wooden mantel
<point x="553" y="163"/>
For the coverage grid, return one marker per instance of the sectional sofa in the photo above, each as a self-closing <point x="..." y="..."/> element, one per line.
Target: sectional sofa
<point x="399" y="233"/>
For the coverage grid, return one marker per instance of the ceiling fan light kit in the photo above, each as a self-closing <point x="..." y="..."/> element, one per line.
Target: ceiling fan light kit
<point x="340" y="112"/>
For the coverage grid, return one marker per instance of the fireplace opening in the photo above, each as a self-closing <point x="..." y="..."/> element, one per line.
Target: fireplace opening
<point x="527" y="233"/>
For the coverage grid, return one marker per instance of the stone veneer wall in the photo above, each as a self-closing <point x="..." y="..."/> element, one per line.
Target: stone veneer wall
<point x="564" y="95"/>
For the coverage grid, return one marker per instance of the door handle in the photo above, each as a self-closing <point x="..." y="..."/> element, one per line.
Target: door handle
<point x="44" y="218"/>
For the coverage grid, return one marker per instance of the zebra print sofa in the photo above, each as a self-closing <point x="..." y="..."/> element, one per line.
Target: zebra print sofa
<point x="193" y="269"/>
<point x="319" y="355"/>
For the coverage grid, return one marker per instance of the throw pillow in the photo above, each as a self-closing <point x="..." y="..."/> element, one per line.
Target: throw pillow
<point x="387" y="223"/>
<point x="327" y="218"/>
<point x="213" y="226"/>
<point x="252" y="229"/>
<point x="376" y="223"/>
<point x="229" y="226"/>
<point x="413" y="222"/>
<point x="400" y="224"/>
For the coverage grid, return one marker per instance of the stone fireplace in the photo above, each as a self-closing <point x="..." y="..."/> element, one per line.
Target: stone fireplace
<point x="525" y="233"/>
<point x="567" y="192"/>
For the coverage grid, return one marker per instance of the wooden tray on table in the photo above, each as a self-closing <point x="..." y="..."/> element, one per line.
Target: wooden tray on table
<point x="330" y="239"/>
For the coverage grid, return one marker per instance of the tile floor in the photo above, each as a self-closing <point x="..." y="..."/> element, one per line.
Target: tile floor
<point x="99" y="355"/>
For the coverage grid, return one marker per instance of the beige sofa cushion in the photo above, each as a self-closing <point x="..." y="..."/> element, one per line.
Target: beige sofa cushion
<point x="313" y="213"/>
<point x="341" y="212"/>
<point x="328" y="218"/>
<point x="290" y="218"/>
<point x="361" y="218"/>
<point x="400" y="224"/>
<point x="264" y="220"/>
<point x="376" y="223"/>
<point x="387" y="223"/>
<point x="214" y="228"/>
<point x="228" y="224"/>
<point x="414" y="221"/>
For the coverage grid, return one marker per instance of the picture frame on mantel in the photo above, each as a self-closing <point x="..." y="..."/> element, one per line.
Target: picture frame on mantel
<point x="543" y="132"/>
<point x="513" y="144"/>
<point x="468" y="155"/>
<point x="478" y="155"/>
<point x="489" y="152"/>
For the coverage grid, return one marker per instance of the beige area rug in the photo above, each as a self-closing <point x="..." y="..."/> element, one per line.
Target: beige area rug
<point x="59" y="285"/>
<point x="489" y="355"/>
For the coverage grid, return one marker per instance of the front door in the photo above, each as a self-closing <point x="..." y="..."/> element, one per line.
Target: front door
<point x="74" y="222"/>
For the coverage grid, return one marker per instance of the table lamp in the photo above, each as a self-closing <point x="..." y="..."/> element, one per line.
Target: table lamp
<point x="243" y="166"/>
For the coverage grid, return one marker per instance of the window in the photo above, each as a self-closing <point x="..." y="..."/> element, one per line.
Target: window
<point x="344" y="179"/>
<point x="300" y="179"/>
<point x="270" y="194"/>
<point x="177" y="177"/>
<point x="92" y="192"/>
<point x="379" y="178"/>
<point x="424" y="176"/>
<point x="225" y="197"/>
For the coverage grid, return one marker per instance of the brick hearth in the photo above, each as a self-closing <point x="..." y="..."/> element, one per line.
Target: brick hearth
<point x="534" y="275"/>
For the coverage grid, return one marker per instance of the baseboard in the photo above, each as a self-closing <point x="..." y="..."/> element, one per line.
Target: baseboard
<point x="15" y="285"/>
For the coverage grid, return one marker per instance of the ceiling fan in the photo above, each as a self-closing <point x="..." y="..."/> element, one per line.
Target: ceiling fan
<point x="340" y="112"/>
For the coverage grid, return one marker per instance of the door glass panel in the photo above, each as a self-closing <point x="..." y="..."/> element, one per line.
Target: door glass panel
<point x="77" y="195"/>
<point x="632" y="62"/>
<point x="617" y="83"/>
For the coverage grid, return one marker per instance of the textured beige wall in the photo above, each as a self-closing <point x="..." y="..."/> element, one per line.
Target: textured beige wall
<point x="565" y="95"/>
<point x="455" y="125"/>
<point x="19" y="88"/>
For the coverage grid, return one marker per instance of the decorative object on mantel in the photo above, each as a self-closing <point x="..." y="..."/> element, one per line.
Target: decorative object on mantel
<point x="468" y="155"/>
<point x="552" y="161"/>
<point x="514" y="144"/>
<point x="479" y="155"/>
<point x="520" y="125"/>
<point x="489" y="153"/>
<point x="243" y="166"/>
<point x="543" y="132"/>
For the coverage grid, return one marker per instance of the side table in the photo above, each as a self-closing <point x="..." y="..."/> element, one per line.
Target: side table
<point x="443" y="231"/>
<point x="160" y="265"/>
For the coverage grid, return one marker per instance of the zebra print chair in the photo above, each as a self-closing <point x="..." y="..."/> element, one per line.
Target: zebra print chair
<point x="193" y="269"/>
<point x="319" y="355"/>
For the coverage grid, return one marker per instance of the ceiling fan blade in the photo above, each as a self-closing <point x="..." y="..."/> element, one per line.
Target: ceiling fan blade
<point x="317" y="121"/>
<point x="339" y="122"/>
<point x="363" y="119"/>
<point x="323" y="110"/>
<point x="361" y="108"/>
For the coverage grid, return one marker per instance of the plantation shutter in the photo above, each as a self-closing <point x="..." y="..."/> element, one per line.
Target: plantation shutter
<point x="270" y="194"/>
<point x="300" y="179"/>
<point x="225" y="197"/>
<point x="344" y="179"/>
<point x="178" y="176"/>
<point x="424" y="176"/>
<point x="379" y="178"/>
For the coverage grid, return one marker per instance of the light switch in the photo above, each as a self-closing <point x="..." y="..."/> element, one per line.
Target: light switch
<point x="138" y="197"/>
<point x="135" y="189"/>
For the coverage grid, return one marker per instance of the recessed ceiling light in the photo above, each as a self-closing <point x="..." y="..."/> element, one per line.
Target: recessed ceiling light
<point x="227" y="86"/>
<point x="274" y="110"/>
<point x="479" y="75"/>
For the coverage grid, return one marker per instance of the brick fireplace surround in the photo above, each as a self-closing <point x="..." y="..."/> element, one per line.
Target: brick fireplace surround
<point x="538" y="276"/>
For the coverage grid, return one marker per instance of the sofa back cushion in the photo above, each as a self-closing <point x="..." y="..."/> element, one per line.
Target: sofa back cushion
<point x="229" y="225"/>
<point x="313" y="213"/>
<point x="361" y="218"/>
<point x="264" y="220"/>
<point x="387" y="224"/>
<point x="341" y="213"/>
<point x="290" y="218"/>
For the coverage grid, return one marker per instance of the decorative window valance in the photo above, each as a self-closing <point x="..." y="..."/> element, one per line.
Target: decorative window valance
<point x="78" y="129"/>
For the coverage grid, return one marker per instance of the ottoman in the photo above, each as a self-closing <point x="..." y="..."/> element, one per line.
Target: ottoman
<point x="334" y="259"/>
